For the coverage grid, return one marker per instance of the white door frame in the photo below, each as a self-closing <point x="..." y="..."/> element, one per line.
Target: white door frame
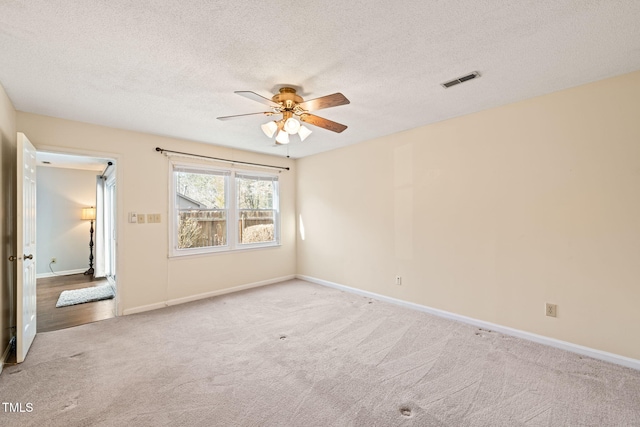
<point x="120" y="217"/>
<point x="111" y="207"/>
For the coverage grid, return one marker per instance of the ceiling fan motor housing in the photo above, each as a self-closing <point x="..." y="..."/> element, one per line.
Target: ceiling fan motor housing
<point x="287" y="97"/>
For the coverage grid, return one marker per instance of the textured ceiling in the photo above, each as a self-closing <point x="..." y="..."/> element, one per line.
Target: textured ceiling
<point x="170" y="67"/>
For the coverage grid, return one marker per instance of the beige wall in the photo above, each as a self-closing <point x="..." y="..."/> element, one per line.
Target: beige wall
<point x="7" y="221"/>
<point x="145" y="274"/>
<point x="493" y="214"/>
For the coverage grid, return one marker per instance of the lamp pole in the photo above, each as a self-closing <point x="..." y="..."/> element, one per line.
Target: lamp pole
<point x="90" y="213"/>
<point x="90" y="270"/>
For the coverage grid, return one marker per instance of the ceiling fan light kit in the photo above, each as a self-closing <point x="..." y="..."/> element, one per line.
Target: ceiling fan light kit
<point x="292" y="126"/>
<point x="282" y="137"/>
<point x="294" y="110"/>
<point x="304" y="132"/>
<point x="269" y="128"/>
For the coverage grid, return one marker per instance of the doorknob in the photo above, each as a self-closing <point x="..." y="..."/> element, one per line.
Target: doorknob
<point x="12" y="258"/>
<point x="30" y="256"/>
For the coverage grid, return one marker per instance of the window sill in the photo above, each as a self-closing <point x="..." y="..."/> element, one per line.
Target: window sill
<point x="207" y="252"/>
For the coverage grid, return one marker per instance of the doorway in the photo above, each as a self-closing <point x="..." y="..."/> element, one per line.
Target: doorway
<point x="76" y="240"/>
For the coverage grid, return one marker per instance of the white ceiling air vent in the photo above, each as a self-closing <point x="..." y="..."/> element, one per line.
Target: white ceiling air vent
<point x="459" y="80"/>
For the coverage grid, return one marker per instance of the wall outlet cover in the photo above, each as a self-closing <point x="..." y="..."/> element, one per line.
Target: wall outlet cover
<point x="551" y="310"/>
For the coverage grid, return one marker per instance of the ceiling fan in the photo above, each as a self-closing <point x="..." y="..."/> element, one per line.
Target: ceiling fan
<point x="294" y="110"/>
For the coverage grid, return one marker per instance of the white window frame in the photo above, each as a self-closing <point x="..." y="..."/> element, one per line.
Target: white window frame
<point x="232" y="210"/>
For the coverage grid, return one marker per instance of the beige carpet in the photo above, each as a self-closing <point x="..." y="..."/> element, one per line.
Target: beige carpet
<point x="299" y="354"/>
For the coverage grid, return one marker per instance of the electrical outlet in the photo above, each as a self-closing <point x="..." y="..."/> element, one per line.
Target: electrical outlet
<point x="141" y="218"/>
<point x="551" y="310"/>
<point x="54" y="260"/>
<point x="398" y="280"/>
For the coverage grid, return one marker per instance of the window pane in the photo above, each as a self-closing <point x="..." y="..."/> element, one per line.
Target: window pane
<point x="256" y="213"/>
<point x="255" y="193"/>
<point x="256" y="226"/>
<point x="202" y="228"/>
<point x="202" y="214"/>
<point x="200" y="191"/>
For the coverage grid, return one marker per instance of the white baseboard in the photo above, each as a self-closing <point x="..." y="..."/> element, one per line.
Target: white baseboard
<point x="564" y="345"/>
<point x="4" y="356"/>
<point x="210" y="294"/>
<point x="229" y="290"/>
<point x="60" y="273"/>
<point x="143" y="308"/>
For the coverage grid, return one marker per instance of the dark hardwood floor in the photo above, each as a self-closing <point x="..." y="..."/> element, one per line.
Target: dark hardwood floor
<point x="51" y="318"/>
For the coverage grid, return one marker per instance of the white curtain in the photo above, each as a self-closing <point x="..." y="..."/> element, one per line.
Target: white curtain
<point x="101" y="238"/>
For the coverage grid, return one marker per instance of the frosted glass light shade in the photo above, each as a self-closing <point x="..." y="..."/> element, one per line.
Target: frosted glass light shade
<point x="304" y="132"/>
<point x="291" y="126"/>
<point x="269" y="129"/>
<point x="283" y="137"/>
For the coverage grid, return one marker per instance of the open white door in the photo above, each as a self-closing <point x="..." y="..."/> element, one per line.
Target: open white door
<point x="26" y="247"/>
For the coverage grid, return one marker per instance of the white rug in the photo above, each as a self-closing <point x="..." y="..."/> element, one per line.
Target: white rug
<point x="80" y="296"/>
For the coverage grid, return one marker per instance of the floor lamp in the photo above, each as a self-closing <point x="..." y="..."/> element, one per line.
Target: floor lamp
<point x="90" y="213"/>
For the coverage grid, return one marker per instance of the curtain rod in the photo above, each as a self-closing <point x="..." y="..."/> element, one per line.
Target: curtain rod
<point x="105" y="169"/>
<point x="162" y="150"/>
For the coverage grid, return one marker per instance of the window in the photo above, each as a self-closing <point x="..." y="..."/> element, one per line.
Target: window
<point x="257" y="212"/>
<point x="222" y="210"/>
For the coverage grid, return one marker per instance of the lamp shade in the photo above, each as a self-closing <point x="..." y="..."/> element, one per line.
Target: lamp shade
<point x="89" y="213"/>
<point x="282" y="137"/>
<point x="291" y="126"/>
<point x="304" y="132"/>
<point x="269" y="129"/>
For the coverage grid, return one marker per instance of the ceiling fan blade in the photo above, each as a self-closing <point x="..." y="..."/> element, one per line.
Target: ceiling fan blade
<point x="323" y="123"/>
<point x="258" y="98"/>
<point x="324" y="102"/>
<point x="265" y="113"/>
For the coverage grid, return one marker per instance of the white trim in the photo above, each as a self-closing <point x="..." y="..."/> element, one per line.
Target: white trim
<point x="552" y="342"/>
<point x="182" y="300"/>
<point x="121" y="214"/>
<point x="210" y="294"/>
<point x="143" y="308"/>
<point x="60" y="273"/>
<point x="215" y="250"/>
<point x="4" y="356"/>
